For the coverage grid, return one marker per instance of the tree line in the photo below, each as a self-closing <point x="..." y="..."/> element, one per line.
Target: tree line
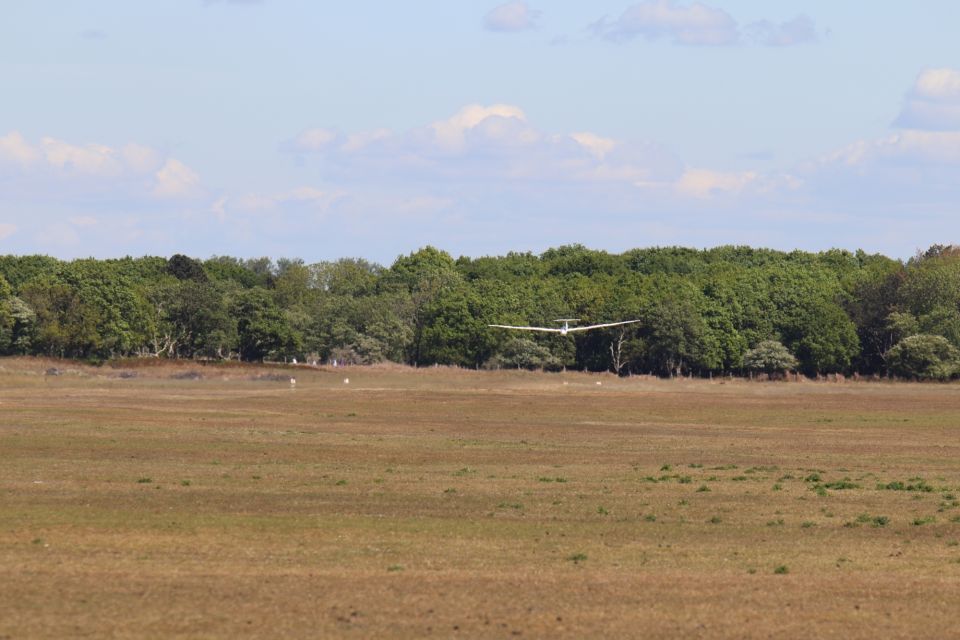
<point x="717" y="311"/>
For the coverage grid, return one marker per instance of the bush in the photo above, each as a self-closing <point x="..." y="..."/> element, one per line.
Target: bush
<point x="770" y="357"/>
<point x="924" y="357"/>
<point x="524" y="353"/>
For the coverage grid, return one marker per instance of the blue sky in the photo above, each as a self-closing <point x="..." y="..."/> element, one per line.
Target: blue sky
<point x="321" y="130"/>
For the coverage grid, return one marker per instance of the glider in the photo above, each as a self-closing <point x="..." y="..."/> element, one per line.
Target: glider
<point x="566" y="328"/>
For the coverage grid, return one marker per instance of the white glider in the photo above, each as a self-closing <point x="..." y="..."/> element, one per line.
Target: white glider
<point x="566" y="328"/>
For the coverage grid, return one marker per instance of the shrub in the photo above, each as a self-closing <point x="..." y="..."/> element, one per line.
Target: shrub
<point x="924" y="357"/>
<point x="840" y="485"/>
<point x="769" y="356"/>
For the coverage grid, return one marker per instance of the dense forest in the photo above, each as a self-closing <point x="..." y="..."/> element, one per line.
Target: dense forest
<point x="726" y="310"/>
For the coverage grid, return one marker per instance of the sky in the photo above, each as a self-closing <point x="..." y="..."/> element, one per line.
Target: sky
<point x="321" y="130"/>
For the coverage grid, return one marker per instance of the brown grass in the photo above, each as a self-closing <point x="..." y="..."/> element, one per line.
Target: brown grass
<point x="439" y="503"/>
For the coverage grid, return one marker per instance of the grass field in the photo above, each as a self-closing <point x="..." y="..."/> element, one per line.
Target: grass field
<point x="476" y="504"/>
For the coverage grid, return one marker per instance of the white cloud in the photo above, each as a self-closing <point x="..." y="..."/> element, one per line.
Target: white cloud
<point x="253" y="202"/>
<point x="306" y="194"/>
<point x="175" y="180"/>
<point x="316" y="199"/>
<point x="314" y="140"/>
<point x="933" y="103"/>
<point x="7" y="230"/>
<point x="125" y="169"/>
<point x="938" y="84"/>
<point x="141" y="159"/>
<point x="14" y="148"/>
<point x="473" y="126"/>
<point x="451" y="134"/>
<point x="512" y="16"/>
<point x="92" y="159"/>
<point x="219" y="208"/>
<point x="929" y="134"/>
<point x="909" y="174"/>
<point x="484" y="143"/>
<point x="905" y="148"/>
<point x="700" y="24"/>
<point x="359" y="141"/>
<point x="694" y="24"/>
<point x="703" y="183"/>
<point x="593" y="143"/>
<point x="707" y="183"/>
<point x="800" y="30"/>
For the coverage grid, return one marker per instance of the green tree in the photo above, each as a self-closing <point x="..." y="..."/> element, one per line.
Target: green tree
<point x="17" y="322"/>
<point x="262" y="328"/>
<point x="678" y="339"/>
<point x="770" y="357"/>
<point x="66" y="326"/>
<point x="107" y="289"/>
<point x="19" y="270"/>
<point x="425" y="275"/>
<point x="17" y="326"/>
<point x="873" y="297"/>
<point x="347" y="277"/>
<point x="190" y="318"/>
<point x="924" y="357"/>
<point x="809" y="319"/>
<point x="228" y="269"/>
<point x="183" y="267"/>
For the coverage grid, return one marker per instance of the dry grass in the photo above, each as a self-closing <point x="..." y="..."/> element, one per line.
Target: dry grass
<point x="440" y="502"/>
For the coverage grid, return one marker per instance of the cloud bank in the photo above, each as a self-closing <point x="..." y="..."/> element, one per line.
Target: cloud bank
<point x="695" y="24"/>
<point x="698" y="24"/>
<point x="138" y="167"/>
<point x="484" y="142"/>
<point x="487" y="178"/>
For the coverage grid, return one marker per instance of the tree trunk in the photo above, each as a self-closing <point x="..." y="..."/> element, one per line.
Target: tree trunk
<point x="616" y="351"/>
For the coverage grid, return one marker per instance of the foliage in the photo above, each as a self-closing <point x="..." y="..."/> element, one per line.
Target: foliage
<point x="924" y="357"/>
<point x="523" y="353"/>
<point x="262" y="329"/>
<point x="183" y="267"/>
<point x="770" y="357"/>
<point x="698" y="311"/>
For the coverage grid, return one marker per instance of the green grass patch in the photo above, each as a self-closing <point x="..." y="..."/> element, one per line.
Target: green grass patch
<point x="841" y="485"/>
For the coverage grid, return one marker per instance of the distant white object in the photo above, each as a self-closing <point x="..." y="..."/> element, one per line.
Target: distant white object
<point x="346" y="381"/>
<point x="293" y="381"/>
<point x="294" y="361"/>
<point x="566" y="328"/>
<point x="334" y="362"/>
<point x="599" y="383"/>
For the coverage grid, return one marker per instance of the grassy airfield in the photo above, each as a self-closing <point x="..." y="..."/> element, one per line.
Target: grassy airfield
<point x="446" y="503"/>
